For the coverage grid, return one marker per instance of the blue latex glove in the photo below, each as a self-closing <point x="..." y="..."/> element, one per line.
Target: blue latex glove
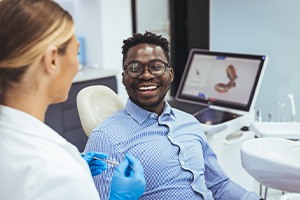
<point x="128" y="181"/>
<point x="96" y="166"/>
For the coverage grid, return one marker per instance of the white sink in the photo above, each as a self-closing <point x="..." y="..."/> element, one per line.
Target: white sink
<point x="273" y="162"/>
<point x="289" y="130"/>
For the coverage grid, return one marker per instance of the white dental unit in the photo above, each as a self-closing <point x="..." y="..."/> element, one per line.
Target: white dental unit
<point x="273" y="159"/>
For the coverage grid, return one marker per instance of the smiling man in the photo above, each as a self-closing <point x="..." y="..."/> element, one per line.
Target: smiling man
<point x="177" y="160"/>
<point x="147" y="75"/>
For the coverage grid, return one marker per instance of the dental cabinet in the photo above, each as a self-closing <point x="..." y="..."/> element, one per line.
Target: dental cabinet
<point x="63" y="117"/>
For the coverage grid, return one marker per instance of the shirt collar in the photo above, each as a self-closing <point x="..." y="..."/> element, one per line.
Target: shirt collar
<point x="140" y="114"/>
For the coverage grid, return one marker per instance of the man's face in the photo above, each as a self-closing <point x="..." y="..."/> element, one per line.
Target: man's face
<point x="147" y="90"/>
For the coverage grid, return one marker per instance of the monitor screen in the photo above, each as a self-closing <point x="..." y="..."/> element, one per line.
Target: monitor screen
<point x="229" y="80"/>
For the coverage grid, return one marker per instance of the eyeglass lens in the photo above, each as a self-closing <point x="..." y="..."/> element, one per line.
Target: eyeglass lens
<point x="156" y="68"/>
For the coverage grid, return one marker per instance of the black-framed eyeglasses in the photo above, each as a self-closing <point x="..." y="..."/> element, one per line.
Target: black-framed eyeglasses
<point x="155" y="67"/>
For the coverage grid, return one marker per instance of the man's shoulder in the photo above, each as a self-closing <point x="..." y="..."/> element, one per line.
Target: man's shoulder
<point x="181" y="113"/>
<point x="117" y="119"/>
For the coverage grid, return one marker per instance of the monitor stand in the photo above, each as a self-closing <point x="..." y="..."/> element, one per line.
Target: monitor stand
<point x="211" y="116"/>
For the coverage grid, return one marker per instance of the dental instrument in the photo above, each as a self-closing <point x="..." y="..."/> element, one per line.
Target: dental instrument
<point x="258" y="116"/>
<point x="104" y="159"/>
<point x="281" y="107"/>
<point x="270" y="114"/>
<point x="108" y="161"/>
<point x="291" y="97"/>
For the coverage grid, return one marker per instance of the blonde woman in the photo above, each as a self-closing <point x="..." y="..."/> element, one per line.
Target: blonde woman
<point x="38" y="60"/>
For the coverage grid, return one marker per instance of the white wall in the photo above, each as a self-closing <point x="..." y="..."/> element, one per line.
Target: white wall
<point x="116" y="26"/>
<point x="268" y="27"/>
<point x="104" y="24"/>
<point x="154" y="18"/>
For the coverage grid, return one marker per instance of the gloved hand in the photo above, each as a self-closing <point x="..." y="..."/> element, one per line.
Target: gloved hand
<point x="96" y="166"/>
<point x="128" y="181"/>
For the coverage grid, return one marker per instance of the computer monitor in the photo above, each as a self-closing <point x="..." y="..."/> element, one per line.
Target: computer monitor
<point x="222" y="79"/>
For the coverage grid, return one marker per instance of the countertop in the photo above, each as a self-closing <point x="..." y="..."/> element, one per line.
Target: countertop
<point x="90" y="73"/>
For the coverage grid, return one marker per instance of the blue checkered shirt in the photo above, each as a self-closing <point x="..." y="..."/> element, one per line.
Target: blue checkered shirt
<point x="177" y="160"/>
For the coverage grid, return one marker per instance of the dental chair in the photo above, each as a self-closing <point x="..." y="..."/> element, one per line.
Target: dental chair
<point x="94" y="104"/>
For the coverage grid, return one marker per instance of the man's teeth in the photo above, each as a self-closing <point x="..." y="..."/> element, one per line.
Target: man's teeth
<point x="147" y="88"/>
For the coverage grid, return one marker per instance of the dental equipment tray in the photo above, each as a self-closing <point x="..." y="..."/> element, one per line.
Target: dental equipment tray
<point x="288" y="130"/>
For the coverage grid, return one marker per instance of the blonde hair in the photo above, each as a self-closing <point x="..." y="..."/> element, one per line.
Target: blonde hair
<point x="27" y="28"/>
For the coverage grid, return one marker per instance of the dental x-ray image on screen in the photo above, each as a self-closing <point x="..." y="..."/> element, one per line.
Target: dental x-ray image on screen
<point x="227" y="80"/>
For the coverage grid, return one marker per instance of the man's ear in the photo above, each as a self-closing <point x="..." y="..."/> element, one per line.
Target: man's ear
<point x="51" y="59"/>
<point x="172" y="74"/>
<point x="123" y="78"/>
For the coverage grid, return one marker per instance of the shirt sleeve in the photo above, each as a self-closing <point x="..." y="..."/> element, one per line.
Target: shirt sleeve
<point x="219" y="183"/>
<point x="100" y="143"/>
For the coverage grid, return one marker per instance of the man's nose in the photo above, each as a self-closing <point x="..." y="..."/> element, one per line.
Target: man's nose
<point x="146" y="72"/>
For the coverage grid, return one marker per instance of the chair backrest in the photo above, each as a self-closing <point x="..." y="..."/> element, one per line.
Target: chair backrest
<point x="94" y="104"/>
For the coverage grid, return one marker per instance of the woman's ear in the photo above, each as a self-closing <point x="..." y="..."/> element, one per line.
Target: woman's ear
<point x="51" y="59"/>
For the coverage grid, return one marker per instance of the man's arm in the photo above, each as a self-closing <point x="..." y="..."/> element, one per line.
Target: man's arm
<point x="98" y="142"/>
<point x="221" y="186"/>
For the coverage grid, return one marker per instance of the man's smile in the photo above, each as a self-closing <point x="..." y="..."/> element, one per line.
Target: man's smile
<point x="150" y="87"/>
